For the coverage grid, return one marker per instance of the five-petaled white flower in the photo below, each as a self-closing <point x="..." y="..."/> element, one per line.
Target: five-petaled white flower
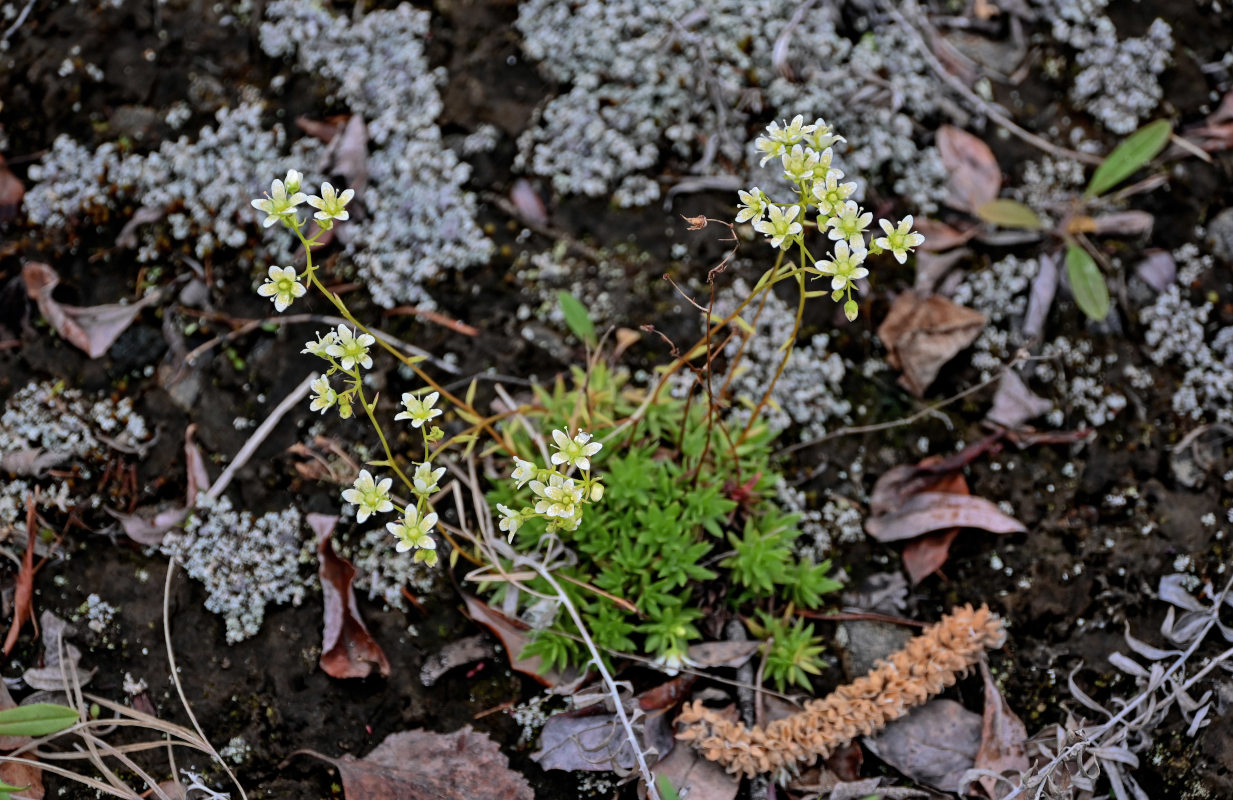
<point x="561" y="497"/>
<point x="350" y="349"/>
<point x="821" y="137"/>
<point x="799" y="164"/>
<point x="845" y="266"/>
<point x="753" y="203"/>
<point x="576" y="451"/>
<point x="322" y="343"/>
<point x="781" y="226"/>
<point x="370" y="496"/>
<point x="419" y="411"/>
<point x="511" y="520"/>
<point x="331" y="206"/>
<point x="325" y="397"/>
<point x="278" y="205"/>
<point x="523" y="471"/>
<point x="425" y="478"/>
<point x="413" y="531"/>
<point x="282" y="287"/>
<point x="831" y="194"/>
<point x="849" y="224"/>
<point x="899" y="240"/>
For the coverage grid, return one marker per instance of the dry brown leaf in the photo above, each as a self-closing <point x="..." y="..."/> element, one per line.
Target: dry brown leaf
<point x="926" y="554"/>
<point x="92" y="329"/>
<point x="528" y="203"/>
<point x="31" y="462"/>
<point x="935" y="511"/>
<point x="11" y="192"/>
<point x="696" y="778"/>
<point x="1002" y="739"/>
<point x="323" y="131"/>
<point x="50" y="676"/>
<point x="932" y="267"/>
<point x="975" y="177"/>
<point x="23" y="593"/>
<point x="922" y="334"/>
<point x="584" y="743"/>
<point x="143" y="216"/>
<point x="514" y="636"/>
<point x="1040" y="300"/>
<point x="723" y="654"/>
<point x="347" y="648"/>
<point x="1014" y="403"/>
<point x="148" y="526"/>
<point x="933" y="744"/>
<point x="1157" y="269"/>
<point x="456" y="654"/>
<point x="939" y="236"/>
<point x="24" y="774"/>
<point x="668" y="694"/>
<point x="422" y="765"/>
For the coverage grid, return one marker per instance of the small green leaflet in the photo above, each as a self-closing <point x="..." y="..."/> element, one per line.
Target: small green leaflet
<point x="1010" y="214"/>
<point x="1139" y="148"/>
<point x="577" y="318"/>
<point x="38" y="719"/>
<point x="666" y="790"/>
<point x="1087" y="282"/>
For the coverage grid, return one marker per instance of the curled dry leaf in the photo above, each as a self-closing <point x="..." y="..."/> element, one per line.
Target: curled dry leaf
<point x="514" y="635"/>
<point x="926" y="554"/>
<point x="31" y="462"/>
<point x="127" y="237"/>
<point x="1014" y="403"/>
<point x="456" y="654"/>
<point x="934" y="744"/>
<point x="60" y="658"/>
<point x="584" y="743"/>
<point x="731" y="654"/>
<point x="92" y="329"/>
<point x="694" y="777"/>
<point x="1002" y="739"/>
<point x="11" y="192"/>
<point x="1040" y="299"/>
<point x="347" y="649"/>
<point x="422" y="765"/>
<point x="935" y="511"/>
<point x="24" y="773"/>
<point x="923" y="333"/>
<point x="975" y="177"/>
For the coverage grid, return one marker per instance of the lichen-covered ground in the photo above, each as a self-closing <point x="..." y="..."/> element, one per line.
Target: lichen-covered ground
<point x="512" y="150"/>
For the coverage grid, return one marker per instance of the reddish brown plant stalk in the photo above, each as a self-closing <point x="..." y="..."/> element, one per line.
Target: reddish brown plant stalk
<point x="923" y="668"/>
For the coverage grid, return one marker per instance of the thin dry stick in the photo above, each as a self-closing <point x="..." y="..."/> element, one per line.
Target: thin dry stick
<point x="912" y="29"/>
<point x="263" y="430"/>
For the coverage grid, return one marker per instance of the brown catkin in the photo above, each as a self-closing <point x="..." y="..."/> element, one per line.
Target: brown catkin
<point x="924" y="667"/>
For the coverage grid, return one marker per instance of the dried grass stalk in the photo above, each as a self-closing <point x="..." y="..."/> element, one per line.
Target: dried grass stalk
<point x="924" y="667"/>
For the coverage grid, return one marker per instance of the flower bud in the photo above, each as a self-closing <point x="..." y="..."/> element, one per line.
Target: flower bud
<point x="849" y="310"/>
<point x="597" y="492"/>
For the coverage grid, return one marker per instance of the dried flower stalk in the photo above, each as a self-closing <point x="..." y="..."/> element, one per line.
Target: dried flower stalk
<point x="924" y="667"/>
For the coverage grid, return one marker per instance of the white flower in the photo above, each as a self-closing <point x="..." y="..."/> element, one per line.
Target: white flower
<point x="419" y="411"/>
<point x="325" y="398"/>
<point x="282" y="287"/>
<point x="898" y="240"/>
<point x="576" y="451"/>
<point x="560" y="497"/>
<point x="350" y="349"/>
<point x="821" y="137"/>
<point x="278" y="205"/>
<point x="753" y="203"/>
<point x="799" y="164"/>
<point x="293" y="180"/>
<point x="523" y="471"/>
<point x="830" y="194"/>
<point x="511" y="520"/>
<point x="331" y="206"/>
<point x="849" y="224"/>
<point x="845" y="266"/>
<point x="319" y="346"/>
<point x="780" y="226"/>
<point x="370" y="496"/>
<point x="413" y="531"/>
<point x="425" y="478"/>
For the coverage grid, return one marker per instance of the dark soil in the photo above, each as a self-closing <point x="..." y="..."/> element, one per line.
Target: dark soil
<point x="1068" y="587"/>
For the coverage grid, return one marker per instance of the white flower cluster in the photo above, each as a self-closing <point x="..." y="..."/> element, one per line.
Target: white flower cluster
<point x="419" y="221"/>
<point x="245" y="562"/>
<point x="559" y="497"/>
<point x="805" y="152"/>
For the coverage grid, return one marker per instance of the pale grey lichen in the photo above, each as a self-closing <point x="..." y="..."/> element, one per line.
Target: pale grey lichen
<point x="418" y="221"/>
<point x="1177" y="333"/>
<point x="1118" y="80"/>
<point x="244" y="561"/>
<point x="649" y="81"/>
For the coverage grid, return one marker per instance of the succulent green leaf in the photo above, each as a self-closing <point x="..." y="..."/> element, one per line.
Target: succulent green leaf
<point x="577" y="317"/>
<point x="38" y="719"/>
<point x="1128" y="157"/>
<point x="1087" y="282"/>
<point x="1010" y="214"/>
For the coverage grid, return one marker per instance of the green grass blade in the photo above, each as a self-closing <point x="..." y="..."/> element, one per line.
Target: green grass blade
<point x="1128" y="157"/>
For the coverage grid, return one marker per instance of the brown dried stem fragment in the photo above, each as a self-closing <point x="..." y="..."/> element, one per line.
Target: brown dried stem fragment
<point x="923" y="668"/>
